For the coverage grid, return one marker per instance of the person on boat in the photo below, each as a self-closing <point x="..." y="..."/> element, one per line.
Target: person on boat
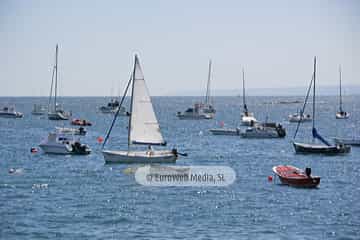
<point x="150" y="150"/>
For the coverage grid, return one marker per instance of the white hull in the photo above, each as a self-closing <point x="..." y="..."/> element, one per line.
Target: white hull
<point x="165" y="156"/>
<point x="11" y="115"/>
<point x="248" y="120"/>
<point x="342" y="116"/>
<point x="298" y="118"/>
<point x="58" y="116"/>
<point x="56" y="149"/>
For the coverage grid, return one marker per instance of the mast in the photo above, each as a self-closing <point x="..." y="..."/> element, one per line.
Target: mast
<point x="340" y="89"/>
<point x="243" y="80"/>
<point x="56" y="75"/>
<point x="314" y="77"/>
<point x="131" y="100"/>
<point x="207" y="97"/>
<point x="51" y="88"/>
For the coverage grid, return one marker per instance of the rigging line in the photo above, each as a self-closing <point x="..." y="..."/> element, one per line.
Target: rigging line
<point x="51" y="88"/>
<point x="304" y="105"/>
<point x="117" y="112"/>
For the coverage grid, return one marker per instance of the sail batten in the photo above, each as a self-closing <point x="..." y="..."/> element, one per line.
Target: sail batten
<point x="144" y="126"/>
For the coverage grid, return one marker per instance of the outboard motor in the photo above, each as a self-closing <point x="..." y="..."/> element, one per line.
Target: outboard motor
<point x="308" y="171"/>
<point x="281" y="131"/>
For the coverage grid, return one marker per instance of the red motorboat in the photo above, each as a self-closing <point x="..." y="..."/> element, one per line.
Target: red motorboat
<point x="296" y="177"/>
<point x="80" y="122"/>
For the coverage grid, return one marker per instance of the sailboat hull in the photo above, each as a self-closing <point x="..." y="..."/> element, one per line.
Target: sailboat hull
<point x="165" y="156"/>
<point x="304" y="148"/>
<point x="57" y="116"/>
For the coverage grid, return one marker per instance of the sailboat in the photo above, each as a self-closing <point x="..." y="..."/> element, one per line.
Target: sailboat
<point x="55" y="112"/>
<point x="143" y="127"/>
<point x="208" y="107"/>
<point x="247" y="118"/>
<point x="325" y="147"/>
<point x="341" y="114"/>
<point x="200" y="110"/>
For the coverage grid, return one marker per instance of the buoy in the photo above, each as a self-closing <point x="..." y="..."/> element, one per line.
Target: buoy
<point x="100" y="139"/>
<point x="222" y="124"/>
<point x="33" y="150"/>
<point x="270" y="178"/>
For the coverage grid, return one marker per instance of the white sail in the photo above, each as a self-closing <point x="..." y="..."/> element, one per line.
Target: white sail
<point x="144" y="127"/>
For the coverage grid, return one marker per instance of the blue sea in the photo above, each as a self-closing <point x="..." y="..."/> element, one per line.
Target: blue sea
<point x="80" y="197"/>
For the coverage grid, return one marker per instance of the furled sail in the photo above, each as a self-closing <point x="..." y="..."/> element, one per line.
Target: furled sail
<point x="144" y="127"/>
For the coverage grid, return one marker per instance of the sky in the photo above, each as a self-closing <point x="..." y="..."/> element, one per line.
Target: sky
<point x="274" y="41"/>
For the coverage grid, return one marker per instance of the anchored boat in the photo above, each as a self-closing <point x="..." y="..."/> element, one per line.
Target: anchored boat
<point x="9" y="112"/>
<point x="143" y="127"/>
<point x="264" y="130"/>
<point x="325" y="147"/>
<point x="55" y="112"/>
<point x="200" y="110"/>
<point x="57" y="143"/>
<point x="247" y="118"/>
<point x="341" y="114"/>
<point x="295" y="177"/>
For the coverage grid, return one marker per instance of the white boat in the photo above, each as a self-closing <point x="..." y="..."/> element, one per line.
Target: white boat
<point x="55" y="112"/>
<point x="315" y="148"/>
<point x="194" y="113"/>
<point x="200" y="110"/>
<point x="72" y="131"/>
<point x="9" y="112"/>
<point x="63" y="144"/>
<point x="38" y="109"/>
<point x="297" y="117"/>
<point x="143" y="127"/>
<point x="112" y="107"/>
<point x="264" y="130"/>
<point x="341" y="114"/>
<point x="348" y="141"/>
<point x="208" y="107"/>
<point x="247" y="118"/>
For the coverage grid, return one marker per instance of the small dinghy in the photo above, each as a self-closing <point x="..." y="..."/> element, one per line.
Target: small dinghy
<point x="80" y="122"/>
<point x="295" y="177"/>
